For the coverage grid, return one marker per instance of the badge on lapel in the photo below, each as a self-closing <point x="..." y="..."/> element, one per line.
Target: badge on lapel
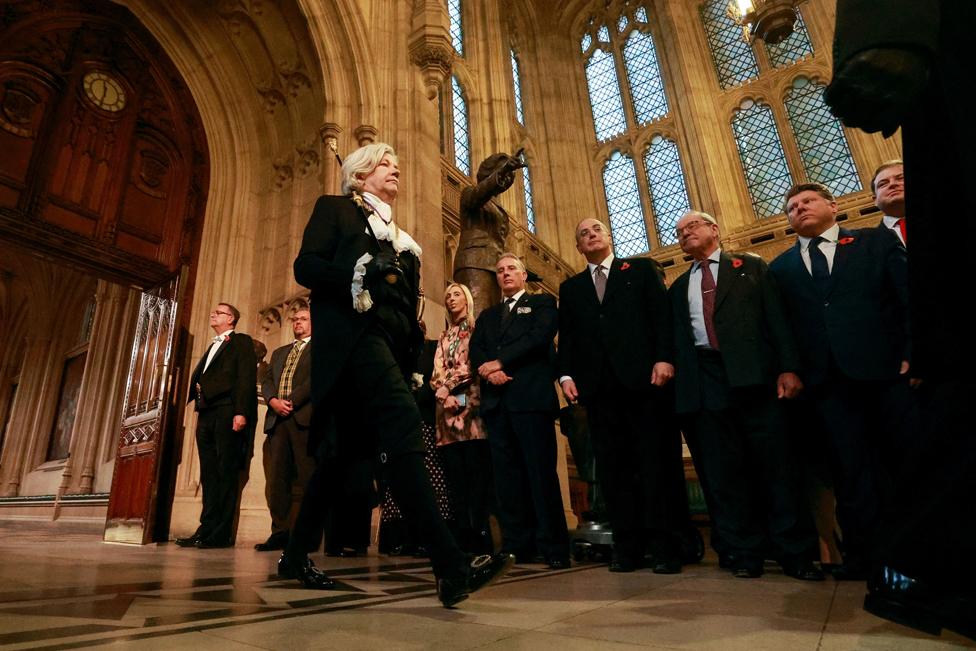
<point x="736" y="263"/>
<point x="625" y="266"/>
<point x="845" y="240"/>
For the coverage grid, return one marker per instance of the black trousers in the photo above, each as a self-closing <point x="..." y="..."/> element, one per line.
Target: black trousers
<point x="221" y="452"/>
<point x="287" y="465"/>
<point x="637" y="446"/>
<point x="372" y="386"/>
<point x="869" y="428"/>
<point x="749" y="470"/>
<point x="523" y="461"/>
<point x="468" y="475"/>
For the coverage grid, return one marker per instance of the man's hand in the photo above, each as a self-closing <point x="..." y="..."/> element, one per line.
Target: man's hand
<point x="788" y="385"/>
<point x="451" y="403"/>
<point x="488" y="368"/>
<point x="441" y="394"/>
<point x="499" y="378"/>
<point x="281" y="407"/>
<point x="874" y="89"/>
<point x="239" y="423"/>
<point x="569" y="390"/>
<point x="661" y="374"/>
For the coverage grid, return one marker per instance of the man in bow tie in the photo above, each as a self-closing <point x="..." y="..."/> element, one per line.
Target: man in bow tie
<point x="287" y="388"/>
<point x="223" y="388"/>
<point x="513" y="351"/>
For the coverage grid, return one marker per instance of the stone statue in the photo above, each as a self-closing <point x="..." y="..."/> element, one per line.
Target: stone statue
<point x="484" y="226"/>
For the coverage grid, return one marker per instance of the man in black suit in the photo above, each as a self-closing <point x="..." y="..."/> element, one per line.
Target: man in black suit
<point x="513" y="351"/>
<point x="353" y="249"/>
<point x="223" y="387"/>
<point x="888" y="188"/>
<point x="287" y="388"/>
<point x="615" y="356"/>
<point x="735" y="358"/>
<point x="846" y="297"/>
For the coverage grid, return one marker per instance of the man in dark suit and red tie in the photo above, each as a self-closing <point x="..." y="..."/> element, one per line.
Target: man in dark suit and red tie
<point x="735" y="360"/>
<point x="287" y="388"/>
<point x="512" y="348"/>
<point x="888" y="187"/>
<point x="223" y="387"/>
<point x="846" y="296"/>
<point x="615" y="355"/>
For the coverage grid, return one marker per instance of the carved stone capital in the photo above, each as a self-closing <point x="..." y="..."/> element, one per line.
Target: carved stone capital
<point x="365" y="134"/>
<point x="430" y="44"/>
<point x="329" y="133"/>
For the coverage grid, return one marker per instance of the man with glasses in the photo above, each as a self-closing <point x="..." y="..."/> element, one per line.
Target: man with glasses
<point x="615" y="354"/>
<point x="735" y="360"/>
<point x="223" y="388"/>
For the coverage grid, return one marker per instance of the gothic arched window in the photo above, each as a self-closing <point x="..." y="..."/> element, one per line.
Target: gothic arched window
<point x="735" y="62"/>
<point x="823" y="146"/>
<point x="763" y="159"/>
<point x="608" y="108"/>
<point x="462" y="136"/>
<point x="794" y="48"/>
<point x="455" y="26"/>
<point x="624" y="206"/>
<point x="644" y="75"/>
<point x="666" y="179"/>
<point x="517" y="87"/>
<point x="529" y="208"/>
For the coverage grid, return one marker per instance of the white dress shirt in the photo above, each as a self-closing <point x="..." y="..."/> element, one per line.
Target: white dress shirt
<point x="892" y="224"/>
<point x="828" y="248"/>
<point x="215" y="345"/>
<point x="517" y="295"/>
<point x="696" y="308"/>
<point x="606" y="268"/>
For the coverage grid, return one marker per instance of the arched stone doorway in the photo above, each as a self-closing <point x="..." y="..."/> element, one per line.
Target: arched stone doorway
<point x="102" y="193"/>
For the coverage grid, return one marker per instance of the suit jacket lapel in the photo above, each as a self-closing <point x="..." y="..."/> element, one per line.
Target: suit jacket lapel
<point x="613" y="280"/>
<point x="728" y="275"/>
<point x="841" y="254"/>
<point x="680" y="289"/>
<point x="505" y="324"/>
<point x="799" y="270"/>
<point x="220" y="349"/>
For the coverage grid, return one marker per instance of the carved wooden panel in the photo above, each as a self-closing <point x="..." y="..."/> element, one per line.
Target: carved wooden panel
<point x="105" y="162"/>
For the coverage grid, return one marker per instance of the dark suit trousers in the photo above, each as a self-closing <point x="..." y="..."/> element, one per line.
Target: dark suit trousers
<point x="287" y="465"/>
<point x="523" y="461"/>
<point x="749" y="469"/>
<point x="375" y="390"/>
<point x="637" y="447"/>
<point x="221" y="451"/>
<point x="869" y="428"/>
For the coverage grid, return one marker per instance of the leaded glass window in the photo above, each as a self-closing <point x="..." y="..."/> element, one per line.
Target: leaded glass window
<point x="529" y="209"/>
<point x="823" y="146"/>
<point x="624" y="206"/>
<point x="794" y="48"/>
<point x="666" y="180"/>
<point x="763" y="160"/>
<point x="608" y="108"/>
<point x="641" y="14"/>
<point x="734" y="59"/>
<point x="586" y="41"/>
<point x="462" y="136"/>
<point x="517" y="83"/>
<point x="644" y="75"/>
<point x="457" y="33"/>
<point x="603" y="35"/>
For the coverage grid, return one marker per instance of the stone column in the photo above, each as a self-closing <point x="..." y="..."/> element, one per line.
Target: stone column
<point x="329" y="133"/>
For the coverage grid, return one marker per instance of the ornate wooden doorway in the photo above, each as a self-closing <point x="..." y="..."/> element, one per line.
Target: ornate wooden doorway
<point x="105" y="167"/>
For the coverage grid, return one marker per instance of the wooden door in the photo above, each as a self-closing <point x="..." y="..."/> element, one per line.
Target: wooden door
<point x="151" y="430"/>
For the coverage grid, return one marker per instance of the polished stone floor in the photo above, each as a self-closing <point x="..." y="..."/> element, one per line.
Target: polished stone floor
<point x="62" y="588"/>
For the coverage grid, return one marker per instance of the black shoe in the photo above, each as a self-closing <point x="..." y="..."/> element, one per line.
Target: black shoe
<point x="558" y="563"/>
<point x="803" y="570"/>
<point x="906" y="601"/>
<point x="305" y="571"/>
<point x="190" y="541"/>
<point x="275" y="542"/>
<point x="210" y="543"/>
<point x="483" y="571"/>
<point x="667" y="566"/>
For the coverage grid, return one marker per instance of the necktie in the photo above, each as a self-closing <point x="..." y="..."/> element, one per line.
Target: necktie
<point x="507" y="314"/>
<point x="708" y="302"/>
<point x="818" y="265"/>
<point x="284" y="386"/>
<point x="902" y="226"/>
<point x="600" y="282"/>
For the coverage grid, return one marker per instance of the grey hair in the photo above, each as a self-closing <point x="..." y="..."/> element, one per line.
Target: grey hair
<point x="700" y="215"/>
<point x="509" y="254"/>
<point x="361" y="162"/>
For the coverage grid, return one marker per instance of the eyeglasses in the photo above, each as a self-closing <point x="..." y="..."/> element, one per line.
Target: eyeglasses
<point x="215" y="312"/>
<point x="691" y="226"/>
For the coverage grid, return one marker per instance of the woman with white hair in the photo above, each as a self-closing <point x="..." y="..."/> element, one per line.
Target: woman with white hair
<point x="364" y="275"/>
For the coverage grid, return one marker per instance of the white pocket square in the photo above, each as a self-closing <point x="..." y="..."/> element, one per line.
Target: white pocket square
<point x="523" y="310"/>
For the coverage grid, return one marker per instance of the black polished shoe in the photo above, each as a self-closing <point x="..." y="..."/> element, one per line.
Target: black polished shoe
<point x="305" y="571"/>
<point x="558" y="563"/>
<point x="275" y="542"/>
<point x="667" y="566"/>
<point x="803" y="570"/>
<point x="483" y="571"/>
<point x="190" y="541"/>
<point x="903" y="600"/>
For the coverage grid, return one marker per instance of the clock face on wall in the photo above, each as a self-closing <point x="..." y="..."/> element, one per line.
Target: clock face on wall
<point x="104" y="91"/>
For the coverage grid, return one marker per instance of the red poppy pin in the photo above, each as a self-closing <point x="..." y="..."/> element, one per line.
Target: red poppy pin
<point x="625" y="266"/>
<point x="226" y="337"/>
<point x="736" y="263"/>
<point x="845" y="240"/>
